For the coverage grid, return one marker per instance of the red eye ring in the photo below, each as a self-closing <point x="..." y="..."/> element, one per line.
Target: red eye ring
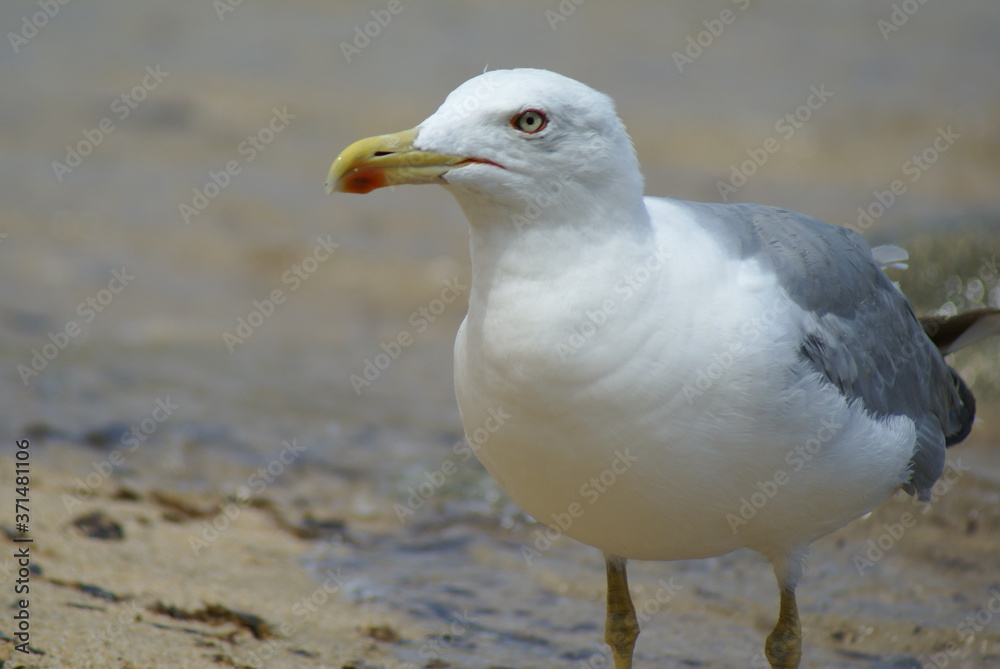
<point x="530" y="121"/>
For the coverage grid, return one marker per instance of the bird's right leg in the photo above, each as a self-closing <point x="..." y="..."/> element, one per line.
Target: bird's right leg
<point x="784" y="644"/>
<point x="622" y="626"/>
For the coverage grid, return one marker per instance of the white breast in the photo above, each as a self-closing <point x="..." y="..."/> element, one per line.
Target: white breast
<point x="635" y="413"/>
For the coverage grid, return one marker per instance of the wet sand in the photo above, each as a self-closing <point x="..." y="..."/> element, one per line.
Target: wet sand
<point x="317" y="571"/>
<point x="194" y="379"/>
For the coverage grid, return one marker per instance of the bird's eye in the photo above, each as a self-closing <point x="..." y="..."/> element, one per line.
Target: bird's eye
<point x="530" y="121"/>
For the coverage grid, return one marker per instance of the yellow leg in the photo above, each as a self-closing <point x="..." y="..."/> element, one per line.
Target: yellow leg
<point x="622" y="627"/>
<point x="784" y="644"/>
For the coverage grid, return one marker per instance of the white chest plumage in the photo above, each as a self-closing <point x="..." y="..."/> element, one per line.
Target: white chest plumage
<point x="617" y="439"/>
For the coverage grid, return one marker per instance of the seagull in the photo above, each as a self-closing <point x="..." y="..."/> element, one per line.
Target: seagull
<point x="676" y="379"/>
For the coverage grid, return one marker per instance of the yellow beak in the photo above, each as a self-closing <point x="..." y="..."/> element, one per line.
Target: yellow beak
<point x="387" y="160"/>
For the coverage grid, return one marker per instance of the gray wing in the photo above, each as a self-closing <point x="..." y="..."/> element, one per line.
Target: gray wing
<point x="865" y="338"/>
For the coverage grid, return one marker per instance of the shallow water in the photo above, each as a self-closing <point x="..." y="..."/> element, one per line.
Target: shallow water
<point x="354" y="273"/>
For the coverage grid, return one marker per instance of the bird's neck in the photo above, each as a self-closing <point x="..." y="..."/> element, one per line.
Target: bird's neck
<point x="516" y="252"/>
<point x="539" y="238"/>
<point x="533" y="286"/>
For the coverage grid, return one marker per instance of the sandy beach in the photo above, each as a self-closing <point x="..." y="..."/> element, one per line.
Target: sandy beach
<point x="133" y="573"/>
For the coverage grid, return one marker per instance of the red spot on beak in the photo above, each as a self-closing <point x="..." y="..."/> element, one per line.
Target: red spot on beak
<point x="364" y="180"/>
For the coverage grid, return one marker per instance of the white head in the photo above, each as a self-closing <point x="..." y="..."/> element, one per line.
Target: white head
<point x="507" y="140"/>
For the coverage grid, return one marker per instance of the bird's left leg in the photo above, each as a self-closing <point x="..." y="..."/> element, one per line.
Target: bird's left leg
<point x="622" y="626"/>
<point x="784" y="643"/>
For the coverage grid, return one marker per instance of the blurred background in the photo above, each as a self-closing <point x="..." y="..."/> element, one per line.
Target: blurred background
<point x="164" y="232"/>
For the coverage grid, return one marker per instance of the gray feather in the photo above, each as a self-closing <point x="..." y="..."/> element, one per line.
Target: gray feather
<point x="862" y="334"/>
